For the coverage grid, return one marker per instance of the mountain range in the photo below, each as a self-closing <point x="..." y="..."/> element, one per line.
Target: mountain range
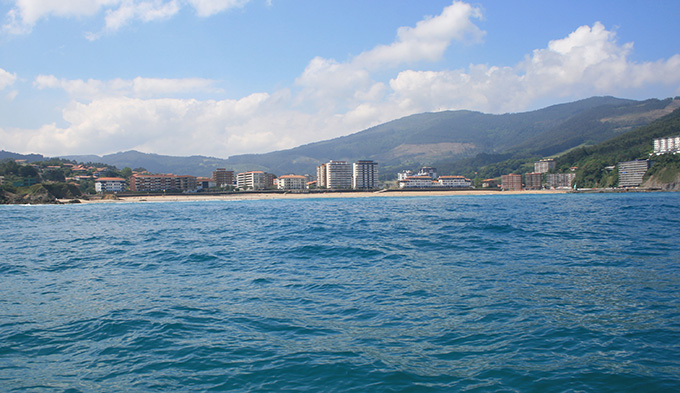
<point x="447" y="139"/>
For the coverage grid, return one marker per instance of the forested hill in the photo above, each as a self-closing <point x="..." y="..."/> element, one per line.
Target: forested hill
<point x="457" y="142"/>
<point x="445" y="138"/>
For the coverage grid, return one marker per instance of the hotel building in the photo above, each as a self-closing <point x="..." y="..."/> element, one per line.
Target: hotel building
<point x="559" y="180"/>
<point x="454" y="182"/>
<point x="667" y="145"/>
<point x="335" y="175"/>
<point x="153" y="183"/>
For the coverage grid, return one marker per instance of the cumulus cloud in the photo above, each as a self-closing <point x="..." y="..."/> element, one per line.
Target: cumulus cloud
<point x="333" y="98"/>
<point x="118" y="13"/>
<point x="6" y="79"/>
<point x="138" y="87"/>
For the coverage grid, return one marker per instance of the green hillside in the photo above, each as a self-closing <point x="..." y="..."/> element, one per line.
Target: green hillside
<point x="456" y="142"/>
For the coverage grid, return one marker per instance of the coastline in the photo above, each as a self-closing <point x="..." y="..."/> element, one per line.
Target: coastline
<point x="316" y="195"/>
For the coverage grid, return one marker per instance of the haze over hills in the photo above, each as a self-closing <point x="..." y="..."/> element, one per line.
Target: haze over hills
<point x="444" y="138"/>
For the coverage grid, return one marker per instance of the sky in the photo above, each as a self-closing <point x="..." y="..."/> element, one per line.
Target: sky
<point x="226" y="77"/>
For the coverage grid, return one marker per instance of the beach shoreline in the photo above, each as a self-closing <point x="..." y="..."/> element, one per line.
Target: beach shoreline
<point x="314" y="195"/>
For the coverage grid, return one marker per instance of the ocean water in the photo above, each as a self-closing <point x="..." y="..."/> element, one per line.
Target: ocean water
<point x="522" y="293"/>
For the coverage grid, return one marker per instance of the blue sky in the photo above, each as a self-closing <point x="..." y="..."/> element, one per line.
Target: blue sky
<point x="225" y="77"/>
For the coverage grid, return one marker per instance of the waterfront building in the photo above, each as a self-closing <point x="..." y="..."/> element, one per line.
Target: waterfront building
<point x="205" y="183"/>
<point x="109" y="184"/>
<point x="153" y="183"/>
<point x="291" y="182"/>
<point x="631" y="172"/>
<point x="454" y="182"/>
<point x="223" y="177"/>
<point x="533" y="181"/>
<point x="418" y="182"/>
<point x="428" y="171"/>
<point x="338" y="175"/>
<point x="544" y="166"/>
<point x="253" y="180"/>
<point x="321" y="174"/>
<point x="511" y="182"/>
<point x="365" y="175"/>
<point x="489" y="183"/>
<point x="554" y="181"/>
<point x="667" y="145"/>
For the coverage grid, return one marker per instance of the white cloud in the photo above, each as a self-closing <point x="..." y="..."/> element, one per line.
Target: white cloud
<point x="139" y="87"/>
<point x="333" y="98"/>
<point x="206" y="8"/>
<point x="118" y="13"/>
<point x="6" y="79"/>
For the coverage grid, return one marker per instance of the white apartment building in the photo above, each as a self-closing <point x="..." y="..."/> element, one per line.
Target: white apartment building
<point x="338" y="175"/>
<point x="667" y="145"/>
<point x="365" y="175"/>
<point x="291" y="182"/>
<point x="253" y="180"/>
<point x="109" y="184"/>
<point x="454" y="182"/>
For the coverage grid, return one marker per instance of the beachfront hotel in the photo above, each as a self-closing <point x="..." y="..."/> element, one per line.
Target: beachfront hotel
<point x="511" y="182"/>
<point x="334" y="175"/>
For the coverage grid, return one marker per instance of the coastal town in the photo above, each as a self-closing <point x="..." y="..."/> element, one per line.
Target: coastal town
<point x="332" y="175"/>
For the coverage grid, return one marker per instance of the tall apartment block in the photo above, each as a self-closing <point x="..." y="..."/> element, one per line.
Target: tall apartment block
<point x="631" y="172"/>
<point x="335" y="175"/>
<point x="544" y="166"/>
<point x="511" y="182"/>
<point x="365" y="175"/>
<point x="223" y="177"/>
<point x="533" y="181"/>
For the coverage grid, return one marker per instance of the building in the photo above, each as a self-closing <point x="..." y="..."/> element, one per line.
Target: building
<point x="555" y="181"/>
<point x="511" y="182"/>
<point x="631" y="172"/>
<point x="404" y="174"/>
<point x="321" y="174"/>
<point x="667" y="145"/>
<point x="544" y="166"/>
<point x="418" y="182"/>
<point x="109" y="184"/>
<point x="154" y="183"/>
<point x="223" y="177"/>
<point x="428" y="171"/>
<point x="253" y="180"/>
<point x="489" y="183"/>
<point x="454" y="182"/>
<point x="205" y="183"/>
<point x="533" y="181"/>
<point x="291" y="182"/>
<point x="365" y="175"/>
<point x="338" y="175"/>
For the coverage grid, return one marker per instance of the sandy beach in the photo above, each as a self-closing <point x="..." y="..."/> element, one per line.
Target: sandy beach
<point x="317" y="195"/>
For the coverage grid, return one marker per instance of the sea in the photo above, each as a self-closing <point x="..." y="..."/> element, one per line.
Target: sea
<point x="499" y="293"/>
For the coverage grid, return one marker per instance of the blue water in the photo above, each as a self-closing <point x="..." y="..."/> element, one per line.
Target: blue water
<point x="549" y="293"/>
